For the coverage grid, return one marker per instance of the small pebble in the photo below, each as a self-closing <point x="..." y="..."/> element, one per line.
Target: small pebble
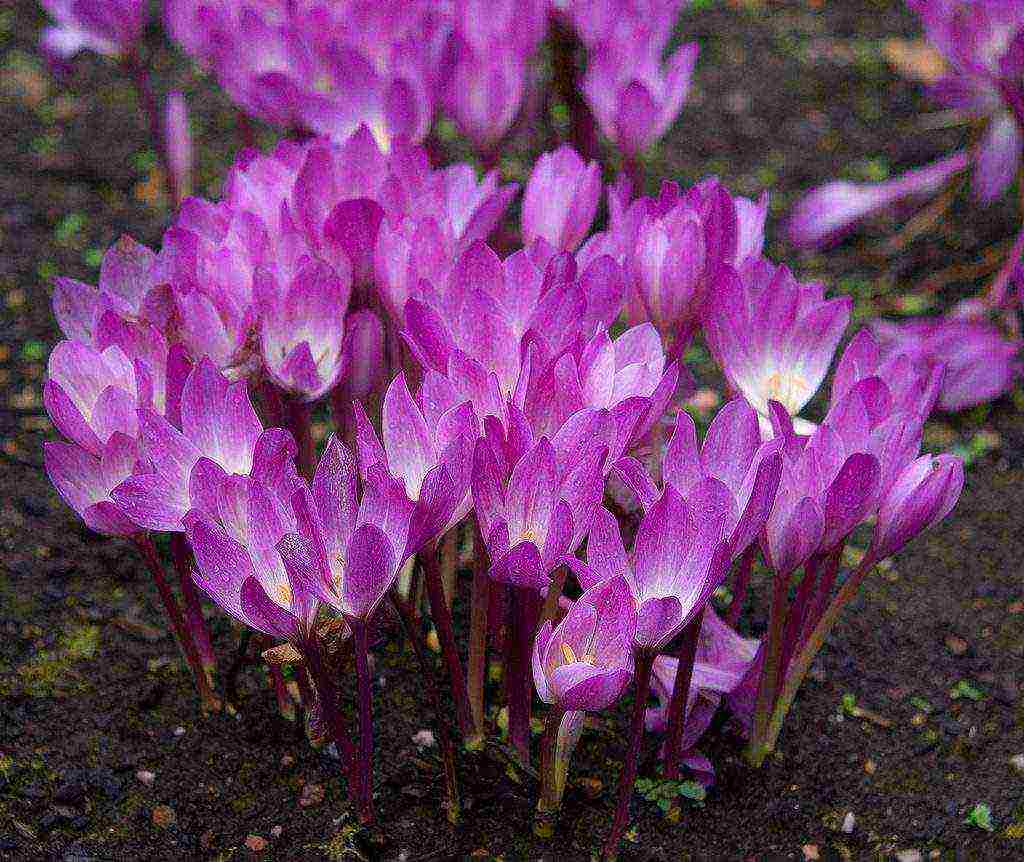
<point x="424" y="738"/>
<point x="870" y="767"/>
<point x="179" y="731"/>
<point x="276" y="832"/>
<point x="1016" y="608"/>
<point x="312" y="794"/>
<point x="287" y="760"/>
<point x="256" y="843"/>
<point x="163" y="816"/>
<point x="918" y="719"/>
<point x="146" y="777"/>
<point x="811" y="852"/>
<point x="911" y="855"/>
<point x="849" y="821"/>
<point x="956" y="644"/>
<point x="1017" y="762"/>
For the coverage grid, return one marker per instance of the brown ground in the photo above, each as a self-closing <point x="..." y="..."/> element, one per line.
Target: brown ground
<point x="88" y="697"/>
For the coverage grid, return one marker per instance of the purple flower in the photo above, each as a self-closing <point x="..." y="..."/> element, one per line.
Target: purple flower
<point x="109" y="27"/>
<point x="773" y="337"/>
<point x="679" y="557"/>
<point x="635" y="99"/>
<point x="427" y="452"/>
<point x="128" y="286"/>
<point x="586" y="662"/>
<point x="671" y="247"/>
<point x="238" y="564"/>
<point x="348" y="547"/>
<point x="733" y="454"/>
<point x="980" y="363"/>
<point x="484" y="90"/>
<point x="540" y="515"/>
<point x="85" y="481"/>
<point x="826" y="213"/>
<point x="302" y="327"/>
<point x="923" y="494"/>
<point x="220" y="436"/>
<point x="560" y="200"/>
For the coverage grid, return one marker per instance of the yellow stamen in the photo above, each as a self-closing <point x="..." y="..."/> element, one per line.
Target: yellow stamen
<point x="568" y="654"/>
<point x="283" y="594"/>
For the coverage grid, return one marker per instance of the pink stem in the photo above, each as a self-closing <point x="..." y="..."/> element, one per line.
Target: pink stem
<point x="798" y="614"/>
<point x="739" y="593"/>
<point x="181" y="553"/>
<point x="140" y="79"/>
<point x="680" y="691"/>
<point x="365" y="685"/>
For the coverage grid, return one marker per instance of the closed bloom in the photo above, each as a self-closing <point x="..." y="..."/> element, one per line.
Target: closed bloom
<point x="773" y="337"/>
<point x="302" y="327"/>
<point x="560" y="200"/>
<point x="542" y="514"/>
<point x="680" y="555"/>
<point x="586" y="662"/>
<point x="923" y="495"/>
<point x="427" y="453"/>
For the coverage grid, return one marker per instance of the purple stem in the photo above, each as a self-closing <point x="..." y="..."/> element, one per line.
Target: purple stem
<point x="582" y="133"/>
<point x="246" y="131"/>
<point x="996" y="296"/>
<point x="680" y="690"/>
<point x="642" y="681"/>
<point x="442" y="616"/>
<point x="520" y="684"/>
<point x="634" y="171"/>
<point x="149" y="555"/>
<point x="444" y="738"/>
<point x="549" y="800"/>
<point x="477" y="665"/>
<point x="798" y="614"/>
<point x="300" y="416"/>
<point x="330" y="711"/>
<point x="826" y="581"/>
<point x="365" y="684"/>
<point x="739" y="593"/>
<point x="768" y="685"/>
<point x="182" y="554"/>
<point x="139" y="75"/>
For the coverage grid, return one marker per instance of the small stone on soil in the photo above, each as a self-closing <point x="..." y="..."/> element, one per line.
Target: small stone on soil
<point x="424" y="738"/>
<point x="312" y="794"/>
<point x="146" y="777"/>
<point x="1017" y="762"/>
<point x="849" y="821"/>
<point x="276" y="832"/>
<point x="911" y="855"/>
<point x="163" y="816"/>
<point x="956" y="645"/>
<point x="811" y="852"/>
<point x="179" y="731"/>
<point x="256" y="843"/>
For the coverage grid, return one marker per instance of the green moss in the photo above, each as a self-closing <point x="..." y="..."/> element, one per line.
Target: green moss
<point x="52" y="673"/>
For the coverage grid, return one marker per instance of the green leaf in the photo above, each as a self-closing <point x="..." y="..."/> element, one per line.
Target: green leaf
<point x="965" y="689"/>
<point x="921" y="704"/>
<point x="847" y="703"/>
<point x="980" y="816"/>
<point x="693" y="790"/>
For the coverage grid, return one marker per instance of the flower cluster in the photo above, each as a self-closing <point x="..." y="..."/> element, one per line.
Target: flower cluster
<point x="486" y="387"/>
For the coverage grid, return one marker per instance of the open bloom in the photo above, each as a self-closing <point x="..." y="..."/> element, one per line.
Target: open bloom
<point x="680" y="555"/>
<point x="220" y="435"/>
<point x="773" y="337"/>
<point x="541" y="515"/>
<point x="561" y="199"/>
<point x="586" y="662"/>
<point x="238" y="564"/>
<point x="733" y="454"/>
<point x="349" y="546"/>
<point x="427" y="452"/>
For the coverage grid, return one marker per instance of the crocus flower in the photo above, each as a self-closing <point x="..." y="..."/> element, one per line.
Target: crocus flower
<point x="349" y="546"/>
<point x="773" y="337"/>
<point x="634" y="98"/>
<point x="484" y="91"/>
<point x="110" y="27"/>
<point x="980" y="363"/>
<point x="733" y="454"/>
<point x="586" y="661"/>
<point x="427" y="452"/>
<point x="128" y="286"/>
<point x="561" y="199"/>
<point x="680" y="555"/>
<point x="542" y="515"/>
<point x="238" y="564"/>
<point x="302" y="329"/>
<point x="220" y="435"/>
<point x="923" y="494"/>
<point x="85" y="481"/>
<point x="671" y="247"/>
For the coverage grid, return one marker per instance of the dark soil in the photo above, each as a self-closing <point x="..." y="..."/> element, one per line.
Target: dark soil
<point x="91" y="694"/>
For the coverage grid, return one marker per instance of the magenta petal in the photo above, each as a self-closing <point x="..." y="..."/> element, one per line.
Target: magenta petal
<point x="606" y="555"/>
<point x="521" y="567"/>
<point x="635" y="476"/>
<point x="150" y="501"/>
<point x="265" y="615"/>
<point x="850" y="497"/>
<point x="596" y="692"/>
<point x="658" y="620"/>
